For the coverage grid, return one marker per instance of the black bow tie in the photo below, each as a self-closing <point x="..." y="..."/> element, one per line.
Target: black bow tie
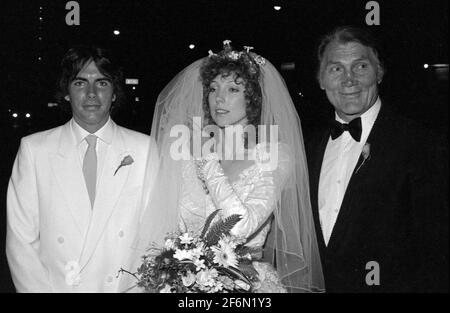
<point x="354" y="128"/>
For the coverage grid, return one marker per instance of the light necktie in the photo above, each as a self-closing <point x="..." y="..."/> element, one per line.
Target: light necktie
<point x="90" y="167"/>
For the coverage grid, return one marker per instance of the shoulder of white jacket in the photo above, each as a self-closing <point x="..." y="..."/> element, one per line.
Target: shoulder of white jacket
<point x="44" y="137"/>
<point x="133" y="134"/>
<point x="135" y="138"/>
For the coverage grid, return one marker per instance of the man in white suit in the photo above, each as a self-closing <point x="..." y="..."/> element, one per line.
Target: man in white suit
<point x="74" y="195"/>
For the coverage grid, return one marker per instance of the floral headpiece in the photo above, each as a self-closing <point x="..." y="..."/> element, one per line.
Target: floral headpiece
<point x="251" y="59"/>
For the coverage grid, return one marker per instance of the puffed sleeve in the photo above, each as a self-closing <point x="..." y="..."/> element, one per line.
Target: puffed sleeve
<point x="273" y="164"/>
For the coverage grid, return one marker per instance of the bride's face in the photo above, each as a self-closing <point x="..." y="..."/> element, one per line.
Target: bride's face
<point x="227" y="102"/>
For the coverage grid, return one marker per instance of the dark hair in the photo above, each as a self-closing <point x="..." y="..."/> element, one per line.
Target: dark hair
<point x="346" y="34"/>
<point x="80" y="56"/>
<point x="241" y="65"/>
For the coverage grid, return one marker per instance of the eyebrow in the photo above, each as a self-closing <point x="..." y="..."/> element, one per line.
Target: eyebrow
<point x="353" y="61"/>
<point x="98" y="79"/>
<point x="230" y="81"/>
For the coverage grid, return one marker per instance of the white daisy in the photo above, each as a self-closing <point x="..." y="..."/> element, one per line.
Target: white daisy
<point x="224" y="254"/>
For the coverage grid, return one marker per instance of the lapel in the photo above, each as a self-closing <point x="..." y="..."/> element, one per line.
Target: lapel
<point x="109" y="189"/>
<point x="69" y="175"/>
<point x="360" y="180"/>
<point x="317" y="153"/>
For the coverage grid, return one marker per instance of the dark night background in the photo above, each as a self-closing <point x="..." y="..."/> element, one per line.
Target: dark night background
<point x="153" y="47"/>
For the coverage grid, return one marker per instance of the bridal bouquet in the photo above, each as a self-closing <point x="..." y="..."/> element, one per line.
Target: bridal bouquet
<point x="212" y="262"/>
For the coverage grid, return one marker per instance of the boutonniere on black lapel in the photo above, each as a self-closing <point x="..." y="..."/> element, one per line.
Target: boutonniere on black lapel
<point x="127" y="160"/>
<point x="365" y="155"/>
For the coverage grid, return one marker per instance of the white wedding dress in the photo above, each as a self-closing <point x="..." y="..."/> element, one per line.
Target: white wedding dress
<point x="251" y="192"/>
<point x="177" y="199"/>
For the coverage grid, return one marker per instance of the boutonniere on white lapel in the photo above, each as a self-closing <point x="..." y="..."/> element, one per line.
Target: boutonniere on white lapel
<point x="127" y="160"/>
<point x="365" y="155"/>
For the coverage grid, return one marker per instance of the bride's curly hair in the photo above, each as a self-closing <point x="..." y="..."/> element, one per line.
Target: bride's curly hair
<point x="240" y="65"/>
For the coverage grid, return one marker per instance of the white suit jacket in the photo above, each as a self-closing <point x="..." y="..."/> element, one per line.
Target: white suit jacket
<point x="55" y="241"/>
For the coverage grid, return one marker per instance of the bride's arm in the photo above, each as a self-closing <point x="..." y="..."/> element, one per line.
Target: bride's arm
<point x="257" y="207"/>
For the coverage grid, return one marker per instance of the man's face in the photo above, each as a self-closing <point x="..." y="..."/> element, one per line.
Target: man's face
<point x="90" y="96"/>
<point x="349" y="75"/>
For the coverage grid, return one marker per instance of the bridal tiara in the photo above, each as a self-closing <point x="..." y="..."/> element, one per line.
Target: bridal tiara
<point x="252" y="59"/>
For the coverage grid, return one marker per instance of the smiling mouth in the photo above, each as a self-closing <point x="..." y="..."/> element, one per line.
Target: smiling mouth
<point x="220" y="111"/>
<point x="350" y="94"/>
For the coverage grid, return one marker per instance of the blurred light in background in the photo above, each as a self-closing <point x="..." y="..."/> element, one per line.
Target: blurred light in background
<point x="116" y="32"/>
<point x="277" y="7"/>
<point x="425" y="65"/>
<point x="288" y="66"/>
<point x="131" y="81"/>
<point x="14" y="115"/>
<point x="191" y="46"/>
<point x="28" y="115"/>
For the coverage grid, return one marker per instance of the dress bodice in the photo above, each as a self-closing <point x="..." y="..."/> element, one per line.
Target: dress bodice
<point x="253" y="194"/>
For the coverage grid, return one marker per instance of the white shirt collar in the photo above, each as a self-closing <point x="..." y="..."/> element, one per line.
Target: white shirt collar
<point x="105" y="133"/>
<point x="367" y="119"/>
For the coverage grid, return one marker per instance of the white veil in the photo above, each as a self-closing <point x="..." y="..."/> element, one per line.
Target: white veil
<point x="291" y="245"/>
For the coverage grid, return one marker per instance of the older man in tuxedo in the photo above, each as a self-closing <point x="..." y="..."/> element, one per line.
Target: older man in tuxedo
<point x="379" y="182"/>
<point x="74" y="195"/>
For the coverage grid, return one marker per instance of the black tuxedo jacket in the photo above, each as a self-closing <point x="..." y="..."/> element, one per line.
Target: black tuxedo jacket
<point x="394" y="212"/>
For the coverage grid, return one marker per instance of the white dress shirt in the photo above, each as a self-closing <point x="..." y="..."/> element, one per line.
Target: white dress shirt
<point x="104" y="139"/>
<point x="341" y="156"/>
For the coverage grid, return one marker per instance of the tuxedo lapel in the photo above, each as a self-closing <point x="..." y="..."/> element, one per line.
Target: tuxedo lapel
<point x="315" y="168"/>
<point x="109" y="190"/>
<point x="67" y="170"/>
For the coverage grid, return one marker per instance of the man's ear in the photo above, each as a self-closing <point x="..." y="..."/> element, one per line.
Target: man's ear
<point x="114" y="97"/>
<point x="380" y="73"/>
<point x="67" y="98"/>
<point x="319" y="79"/>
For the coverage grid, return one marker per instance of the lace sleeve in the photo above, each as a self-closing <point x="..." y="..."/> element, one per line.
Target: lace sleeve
<point x="273" y="169"/>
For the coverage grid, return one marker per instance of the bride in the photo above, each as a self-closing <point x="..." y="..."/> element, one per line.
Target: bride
<point x="262" y="175"/>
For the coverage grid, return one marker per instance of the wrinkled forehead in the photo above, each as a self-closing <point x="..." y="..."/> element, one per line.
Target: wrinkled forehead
<point x="344" y="51"/>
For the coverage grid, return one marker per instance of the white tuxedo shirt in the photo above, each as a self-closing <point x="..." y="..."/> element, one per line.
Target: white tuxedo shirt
<point x="339" y="161"/>
<point x="55" y="241"/>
